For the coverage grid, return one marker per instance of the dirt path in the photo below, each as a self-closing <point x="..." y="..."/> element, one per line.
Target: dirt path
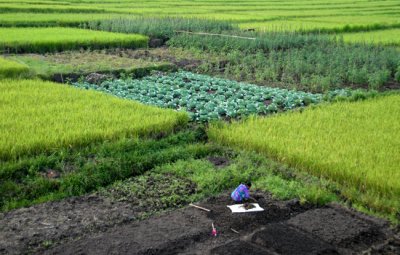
<point x="95" y="225"/>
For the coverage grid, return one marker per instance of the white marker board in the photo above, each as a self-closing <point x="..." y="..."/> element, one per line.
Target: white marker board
<point x="239" y="208"/>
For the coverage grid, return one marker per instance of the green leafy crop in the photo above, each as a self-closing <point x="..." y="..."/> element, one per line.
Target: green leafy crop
<point x="204" y="97"/>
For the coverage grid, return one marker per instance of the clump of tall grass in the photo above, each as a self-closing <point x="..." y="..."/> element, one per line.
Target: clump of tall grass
<point x="12" y="69"/>
<point x="87" y="168"/>
<point x="163" y="28"/>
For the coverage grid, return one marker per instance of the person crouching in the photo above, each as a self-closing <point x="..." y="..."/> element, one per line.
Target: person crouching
<point x="242" y="193"/>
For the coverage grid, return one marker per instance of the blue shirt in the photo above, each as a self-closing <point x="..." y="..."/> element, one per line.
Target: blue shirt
<point x="240" y="193"/>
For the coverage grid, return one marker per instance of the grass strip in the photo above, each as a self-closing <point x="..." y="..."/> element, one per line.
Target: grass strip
<point x="77" y="171"/>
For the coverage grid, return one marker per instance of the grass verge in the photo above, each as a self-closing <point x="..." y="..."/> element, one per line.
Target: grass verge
<point x="72" y="172"/>
<point x="77" y="63"/>
<point x="265" y="174"/>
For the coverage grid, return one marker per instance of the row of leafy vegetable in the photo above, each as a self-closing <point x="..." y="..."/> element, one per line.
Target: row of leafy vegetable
<point x="207" y="98"/>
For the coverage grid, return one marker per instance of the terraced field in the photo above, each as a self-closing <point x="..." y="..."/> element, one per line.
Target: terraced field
<point x="332" y="16"/>
<point x="116" y="114"/>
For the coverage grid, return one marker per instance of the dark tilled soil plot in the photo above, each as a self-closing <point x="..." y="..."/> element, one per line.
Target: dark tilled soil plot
<point x="340" y="227"/>
<point x="32" y="229"/>
<point x="283" y="239"/>
<point x="390" y="247"/>
<point x="187" y="230"/>
<point x="93" y="225"/>
<point x="226" y="221"/>
<point x="166" y="234"/>
<point x="25" y="229"/>
<point x="238" y="247"/>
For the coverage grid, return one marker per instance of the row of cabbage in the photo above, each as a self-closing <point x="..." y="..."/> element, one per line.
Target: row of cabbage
<point x="205" y="98"/>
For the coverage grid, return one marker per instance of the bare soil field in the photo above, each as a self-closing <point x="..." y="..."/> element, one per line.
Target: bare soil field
<point x="94" y="224"/>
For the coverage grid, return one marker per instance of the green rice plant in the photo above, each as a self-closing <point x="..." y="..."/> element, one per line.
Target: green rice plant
<point x="42" y="116"/>
<point x="329" y="25"/>
<point x="34" y="19"/>
<point x="19" y="40"/>
<point x="354" y="144"/>
<point x="47" y="7"/>
<point x="385" y="37"/>
<point x="12" y="69"/>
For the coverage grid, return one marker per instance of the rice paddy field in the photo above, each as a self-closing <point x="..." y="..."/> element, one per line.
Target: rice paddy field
<point x="115" y="113"/>
<point x="29" y="19"/>
<point x="39" y="116"/>
<point x="17" y="40"/>
<point x="385" y="37"/>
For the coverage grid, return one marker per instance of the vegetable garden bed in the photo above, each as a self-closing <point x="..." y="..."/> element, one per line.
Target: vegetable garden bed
<point x="204" y="97"/>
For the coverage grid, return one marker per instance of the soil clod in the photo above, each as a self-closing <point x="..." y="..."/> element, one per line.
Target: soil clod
<point x="248" y="206"/>
<point x="219" y="161"/>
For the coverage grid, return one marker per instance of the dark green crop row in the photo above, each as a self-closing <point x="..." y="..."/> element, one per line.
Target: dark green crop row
<point x="297" y="61"/>
<point x="206" y="98"/>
